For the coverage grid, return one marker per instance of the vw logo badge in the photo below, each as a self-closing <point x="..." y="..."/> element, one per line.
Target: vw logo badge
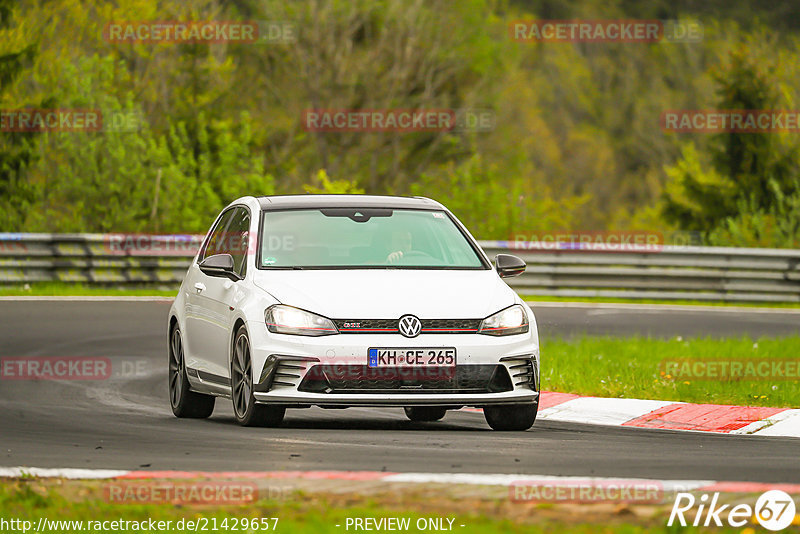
<point x="409" y="326"/>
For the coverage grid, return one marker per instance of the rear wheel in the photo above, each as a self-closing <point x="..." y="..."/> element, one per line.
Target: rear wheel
<point x="247" y="412"/>
<point x="185" y="403"/>
<point x="420" y="414"/>
<point x="512" y="416"/>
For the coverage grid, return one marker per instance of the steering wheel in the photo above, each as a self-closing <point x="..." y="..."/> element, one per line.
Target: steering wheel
<point x="416" y="254"/>
<point x="411" y="255"/>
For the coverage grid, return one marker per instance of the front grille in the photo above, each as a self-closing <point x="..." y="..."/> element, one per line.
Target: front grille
<point x="389" y="326"/>
<point x="330" y="378"/>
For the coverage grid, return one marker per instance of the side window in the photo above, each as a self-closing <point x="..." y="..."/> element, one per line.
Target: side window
<point x="237" y="239"/>
<point x="216" y="243"/>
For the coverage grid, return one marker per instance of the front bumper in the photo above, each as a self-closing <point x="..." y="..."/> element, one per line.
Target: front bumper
<point x="294" y="398"/>
<point x="284" y="366"/>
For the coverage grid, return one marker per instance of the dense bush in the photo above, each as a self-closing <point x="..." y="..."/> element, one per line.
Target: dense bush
<point x="576" y="142"/>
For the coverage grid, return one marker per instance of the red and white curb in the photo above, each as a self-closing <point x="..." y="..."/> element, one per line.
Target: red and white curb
<point x="669" y="415"/>
<point x="476" y="479"/>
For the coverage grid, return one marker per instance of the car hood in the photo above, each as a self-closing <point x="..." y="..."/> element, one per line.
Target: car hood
<point x="390" y="293"/>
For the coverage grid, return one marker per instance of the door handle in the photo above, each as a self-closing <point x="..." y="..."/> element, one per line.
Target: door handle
<point x="199" y="286"/>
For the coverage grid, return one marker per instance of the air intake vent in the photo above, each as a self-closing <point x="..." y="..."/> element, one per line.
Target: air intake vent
<point x="282" y="371"/>
<point x="523" y="369"/>
<point x="324" y="378"/>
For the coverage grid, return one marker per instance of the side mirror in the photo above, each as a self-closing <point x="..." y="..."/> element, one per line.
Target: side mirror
<point x="508" y="265"/>
<point x="221" y="266"/>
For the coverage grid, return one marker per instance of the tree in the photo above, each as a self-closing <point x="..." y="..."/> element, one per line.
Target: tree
<point x="743" y="171"/>
<point x="332" y="187"/>
<point x="17" y="149"/>
<point x="137" y="180"/>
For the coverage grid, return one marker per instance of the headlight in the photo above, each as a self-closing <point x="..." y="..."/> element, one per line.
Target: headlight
<point x="282" y="319"/>
<point x="512" y="320"/>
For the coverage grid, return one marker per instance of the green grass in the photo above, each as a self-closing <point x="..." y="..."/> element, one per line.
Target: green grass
<point x="61" y="289"/>
<point x="31" y="500"/>
<point x="631" y="368"/>
<point x="679" y="302"/>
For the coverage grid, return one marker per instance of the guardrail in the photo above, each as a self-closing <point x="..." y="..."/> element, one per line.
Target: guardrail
<point x="665" y="272"/>
<point x="668" y="272"/>
<point x="111" y="259"/>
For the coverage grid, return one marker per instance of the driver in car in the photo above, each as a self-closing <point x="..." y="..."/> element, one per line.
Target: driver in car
<point x="400" y="244"/>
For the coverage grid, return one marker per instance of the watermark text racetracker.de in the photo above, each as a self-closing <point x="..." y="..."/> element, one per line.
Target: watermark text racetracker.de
<point x="398" y="120"/>
<point x="69" y="120"/>
<point x="643" y="241"/>
<point x="606" y="31"/>
<point x="187" y="245"/>
<point x="161" y="245"/>
<point x="731" y="369"/>
<point x="730" y="121"/>
<point x="201" y="492"/>
<point x="27" y="368"/>
<point x="596" y="241"/>
<point x="200" y="32"/>
<point x="587" y="491"/>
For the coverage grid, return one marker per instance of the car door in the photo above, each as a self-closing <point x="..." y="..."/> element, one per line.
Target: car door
<point x="223" y="294"/>
<point x="206" y="316"/>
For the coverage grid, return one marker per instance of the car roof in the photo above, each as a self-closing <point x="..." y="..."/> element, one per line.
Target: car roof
<point x="280" y="202"/>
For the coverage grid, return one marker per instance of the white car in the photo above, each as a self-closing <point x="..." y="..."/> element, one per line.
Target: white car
<point x="350" y="300"/>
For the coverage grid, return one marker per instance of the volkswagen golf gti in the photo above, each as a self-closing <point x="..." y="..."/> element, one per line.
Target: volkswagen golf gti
<point x="350" y="300"/>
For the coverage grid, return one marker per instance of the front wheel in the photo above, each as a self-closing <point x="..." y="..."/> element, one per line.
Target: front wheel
<point x="420" y="414"/>
<point x="247" y="412"/>
<point x="512" y="416"/>
<point x="184" y="403"/>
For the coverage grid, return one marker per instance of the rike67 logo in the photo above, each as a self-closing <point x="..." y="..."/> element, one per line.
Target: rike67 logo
<point x="774" y="510"/>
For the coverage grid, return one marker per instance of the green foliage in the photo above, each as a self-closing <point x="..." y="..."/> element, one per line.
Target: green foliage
<point x="697" y="196"/>
<point x="776" y="226"/>
<point x="575" y="142"/>
<point x="492" y="204"/>
<point x="17" y="150"/>
<point x="334" y="187"/>
<point x="139" y="181"/>
<point x="741" y="193"/>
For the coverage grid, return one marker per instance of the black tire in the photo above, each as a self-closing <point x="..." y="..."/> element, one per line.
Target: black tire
<point x="184" y="402"/>
<point x="512" y="416"/>
<point x="423" y="414"/>
<point x="245" y="409"/>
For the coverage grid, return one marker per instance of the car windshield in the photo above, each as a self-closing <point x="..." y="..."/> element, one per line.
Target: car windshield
<point x="364" y="238"/>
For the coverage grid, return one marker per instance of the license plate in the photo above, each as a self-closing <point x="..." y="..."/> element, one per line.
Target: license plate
<point x="416" y="357"/>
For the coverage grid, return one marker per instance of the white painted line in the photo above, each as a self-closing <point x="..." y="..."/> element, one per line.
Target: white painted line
<point x="786" y="424"/>
<point x="756" y="426"/>
<point x="661" y="307"/>
<point x="17" y="472"/>
<point x="601" y="411"/>
<point x="89" y="298"/>
<point x="506" y="480"/>
<point x="477" y="479"/>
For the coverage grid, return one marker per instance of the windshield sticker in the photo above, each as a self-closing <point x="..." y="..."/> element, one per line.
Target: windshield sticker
<point x="269" y="261"/>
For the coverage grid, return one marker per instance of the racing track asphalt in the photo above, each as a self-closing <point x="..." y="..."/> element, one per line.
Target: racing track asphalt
<point x="125" y="422"/>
